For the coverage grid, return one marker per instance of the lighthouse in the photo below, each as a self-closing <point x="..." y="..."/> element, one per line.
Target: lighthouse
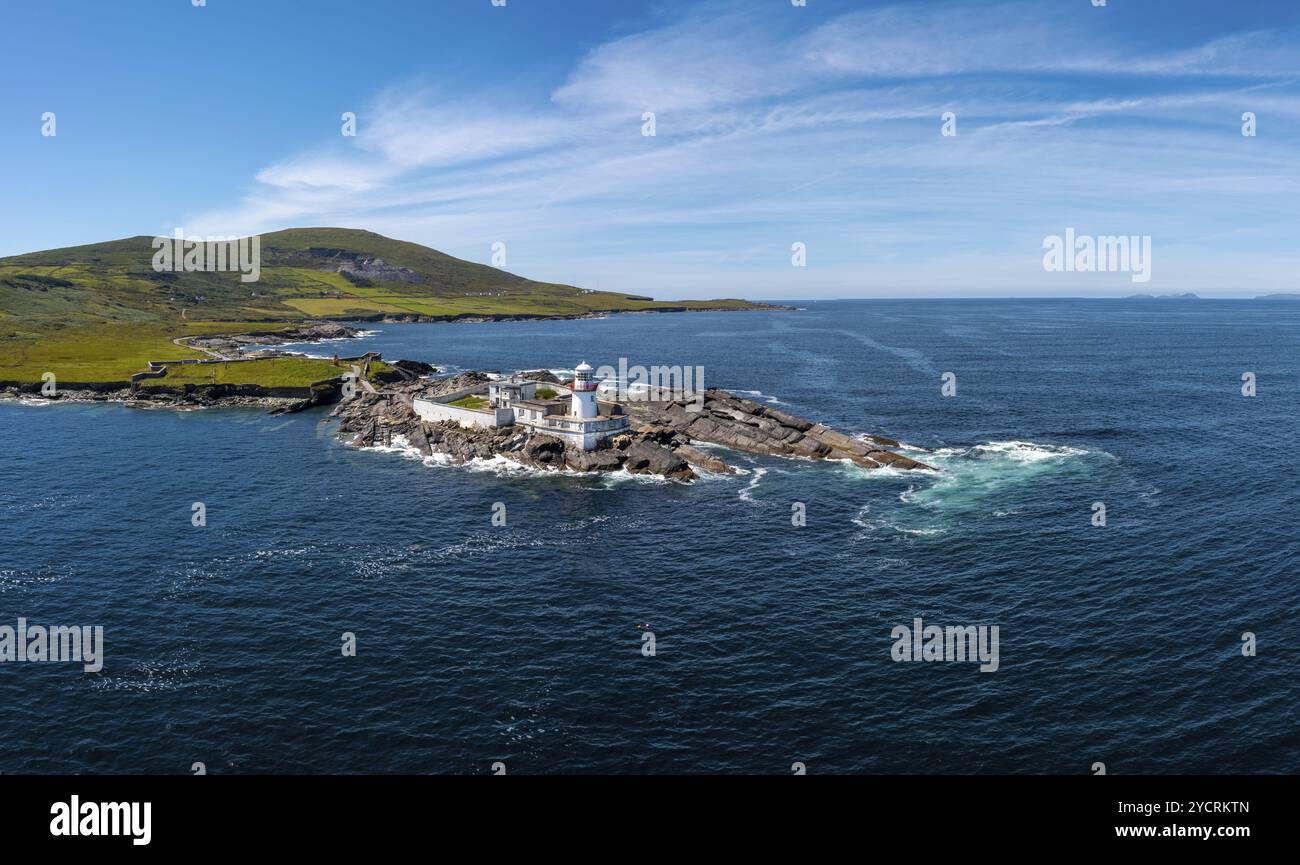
<point x="584" y="392"/>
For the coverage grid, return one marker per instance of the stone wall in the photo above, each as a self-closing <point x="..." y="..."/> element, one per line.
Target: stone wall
<point x="435" y="410"/>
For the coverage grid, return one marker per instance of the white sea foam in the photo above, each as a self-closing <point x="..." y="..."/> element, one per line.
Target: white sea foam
<point x="755" y="395"/>
<point x="502" y="466"/>
<point x="871" y="524"/>
<point x="298" y="351"/>
<point x="882" y="473"/>
<point x="623" y="476"/>
<point x="1029" y="452"/>
<point x="399" y="445"/>
<point x="969" y="478"/>
<point x="708" y="476"/>
<point x="747" y="493"/>
<point x="495" y="465"/>
<point x="482" y="544"/>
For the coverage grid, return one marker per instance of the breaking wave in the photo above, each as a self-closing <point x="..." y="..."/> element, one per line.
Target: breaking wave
<point x="747" y="492"/>
<point x="979" y="476"/>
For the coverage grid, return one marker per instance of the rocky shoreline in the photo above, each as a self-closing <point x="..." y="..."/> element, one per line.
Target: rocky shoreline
<point x="663" y="438"/>
<point x="481" y="318"/>
<point x="199" y="398"/>
<point x="238" y="345"/>
<point x="263" y="344"/>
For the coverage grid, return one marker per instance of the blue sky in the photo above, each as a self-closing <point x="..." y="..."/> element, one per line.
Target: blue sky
<point x="775" y="124"/>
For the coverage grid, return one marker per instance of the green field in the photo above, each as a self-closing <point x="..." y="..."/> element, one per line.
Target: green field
<point x="99" y="313"/>
<point x="267" y="372"/>
<point x="102" y="352"/>
<point x="287" y="372"/>
<point x="477" y="403"/>
<point x="91" y="354"/>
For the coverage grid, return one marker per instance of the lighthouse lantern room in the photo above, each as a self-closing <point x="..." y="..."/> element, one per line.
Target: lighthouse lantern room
<point x="584" y="392"/>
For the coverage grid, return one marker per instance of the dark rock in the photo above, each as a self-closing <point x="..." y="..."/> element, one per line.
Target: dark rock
<point x="788" y="420"/>
<point x="419" y="440"/>
<point x="899" y="461"/>
<point x="602" y="460"/>
<point x="744" y="425"/>
<point x="701" y="460"/>
<point x="415" y="368"/>
<point x="659" y="434"/>
<point x="544" y="375"/>
<point x="514" y="443"/>
<point x="543" y="450"/>
<point x="645" y="457"/>
<point x="460" y="381"/>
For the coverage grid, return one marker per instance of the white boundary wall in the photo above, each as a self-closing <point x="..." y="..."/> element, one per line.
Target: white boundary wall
<point x="437" y="411"/>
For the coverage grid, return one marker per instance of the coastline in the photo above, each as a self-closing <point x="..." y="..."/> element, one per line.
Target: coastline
<point x="157" y="400"/>
<point x="671" y="436"/>
<point x="486" y="318"/>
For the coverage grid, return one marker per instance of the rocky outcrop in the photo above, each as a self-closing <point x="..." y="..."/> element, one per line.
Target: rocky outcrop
<point x="460" y="381"/>
<point x="644" y="457"/>
<point x="366" y="270"/>
<point x="542" y="375"/>
<point x="662" y="439"/>
<point x="740" y="424"/>
<point x="234" y="345"/>
<point x="603" y="460"/>
<point x="410" y="369"/>
<point x="703" y="461"/>
<point x="195" y="398"/>
<point x="316" y="331"/>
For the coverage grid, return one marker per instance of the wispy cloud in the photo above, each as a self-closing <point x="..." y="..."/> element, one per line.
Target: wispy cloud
<point x="780" y="128"/>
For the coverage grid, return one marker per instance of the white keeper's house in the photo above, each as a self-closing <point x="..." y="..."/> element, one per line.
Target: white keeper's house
<point x="572" y="412"/>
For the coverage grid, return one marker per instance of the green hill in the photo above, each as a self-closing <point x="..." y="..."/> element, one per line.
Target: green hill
<point x="98" y="312"/>
<point x="306" y="273"/>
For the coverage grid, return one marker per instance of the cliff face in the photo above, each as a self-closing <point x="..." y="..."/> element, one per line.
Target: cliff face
<point x="660" y="441"/>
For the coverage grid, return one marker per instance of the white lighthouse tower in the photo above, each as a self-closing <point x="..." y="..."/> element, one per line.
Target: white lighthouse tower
<point x="584" y="392"/>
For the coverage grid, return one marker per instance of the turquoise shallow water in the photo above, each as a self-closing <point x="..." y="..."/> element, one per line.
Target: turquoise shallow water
<point x="521" y="643"/>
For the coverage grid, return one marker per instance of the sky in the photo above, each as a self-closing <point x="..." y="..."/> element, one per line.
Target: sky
<point x="774" y="124"/>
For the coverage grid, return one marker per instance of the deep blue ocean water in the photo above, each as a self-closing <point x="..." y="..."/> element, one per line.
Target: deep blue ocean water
<point x="520" y="644"/>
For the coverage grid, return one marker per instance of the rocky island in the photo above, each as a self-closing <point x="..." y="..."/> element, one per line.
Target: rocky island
<point x="662" y="435"/>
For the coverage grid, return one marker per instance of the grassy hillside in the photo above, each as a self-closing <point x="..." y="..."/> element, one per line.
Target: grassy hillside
<point x="98" y="312"/>
<point x="310" y="272"/>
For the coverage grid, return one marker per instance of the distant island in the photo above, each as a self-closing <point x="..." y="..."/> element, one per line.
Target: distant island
<point x="1187" y="296"/>
<point x="1282" y="296"/>
<point x="108" y="316"/>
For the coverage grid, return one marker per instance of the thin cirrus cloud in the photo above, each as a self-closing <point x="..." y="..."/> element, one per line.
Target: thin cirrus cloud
<point x="827" y="135"/>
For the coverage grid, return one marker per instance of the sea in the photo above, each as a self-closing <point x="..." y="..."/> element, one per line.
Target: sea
<point x="1109" y="498"/>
